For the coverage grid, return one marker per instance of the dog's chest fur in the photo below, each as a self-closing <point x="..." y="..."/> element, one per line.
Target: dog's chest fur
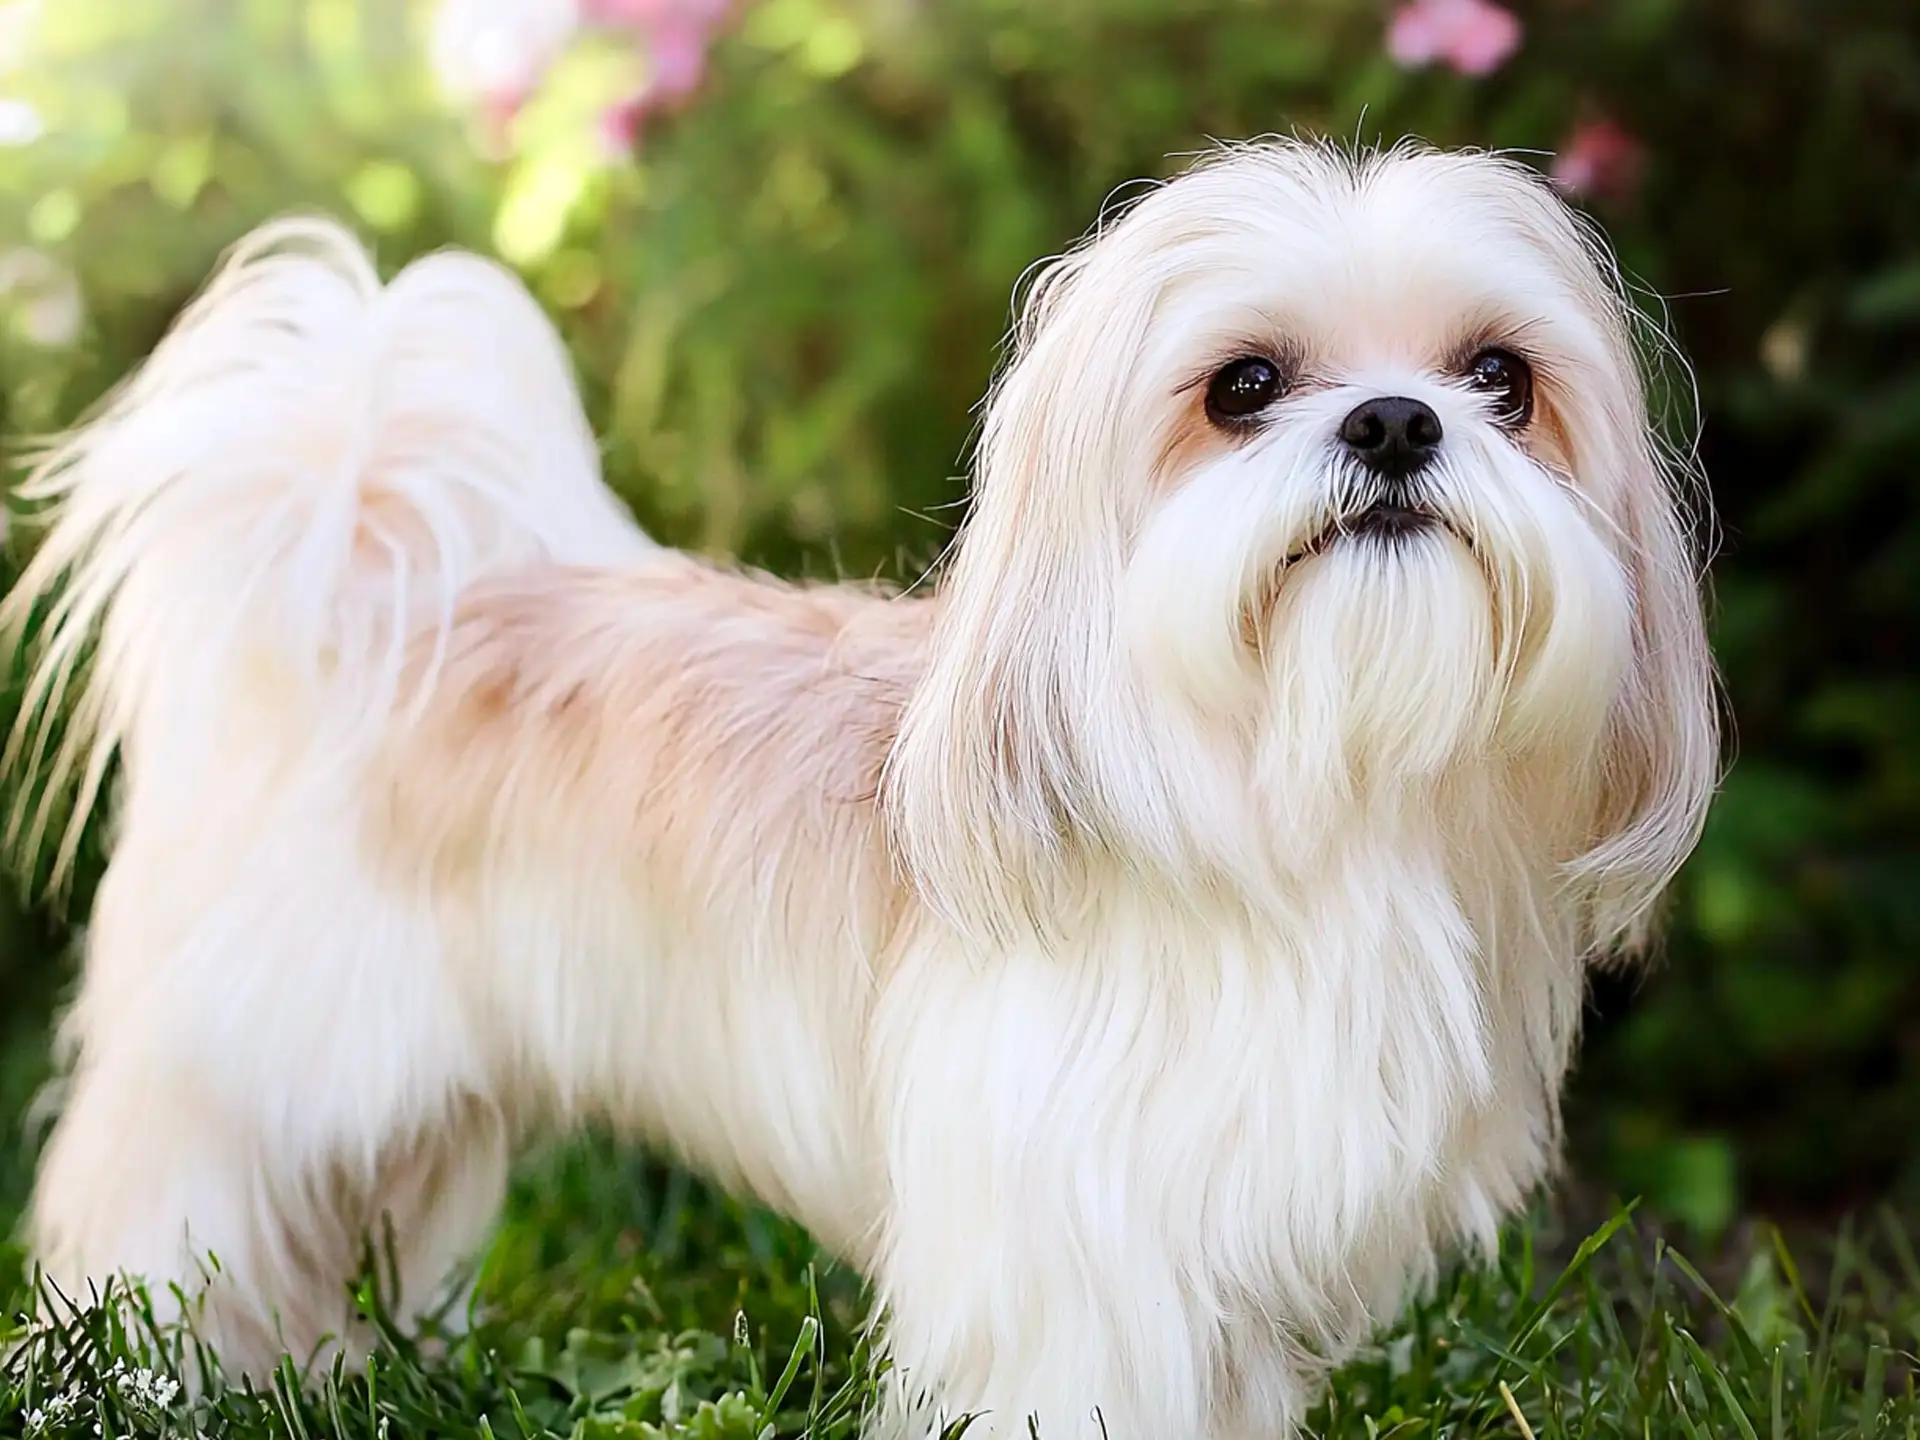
<point x="1267" y="1120"/>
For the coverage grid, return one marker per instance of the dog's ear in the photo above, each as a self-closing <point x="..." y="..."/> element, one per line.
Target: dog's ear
<point x="988" y="794"/>
<point x="980" y="785"/>
<point x="1661" y="757"/>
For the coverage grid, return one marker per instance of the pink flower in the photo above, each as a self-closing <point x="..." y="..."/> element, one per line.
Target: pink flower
<point x="1600" y="158"/>
<point x="653" y="14"/>
<point x="619" y="12"/>
<point x="1475" y="37"/>
<point x="678" y="53"/>
<point x="620" y="126"/>
<point x="496" y="55"/>
<point x="677" y="35"/>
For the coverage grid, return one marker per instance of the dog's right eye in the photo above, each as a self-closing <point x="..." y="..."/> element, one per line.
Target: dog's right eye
<point x="1242" y="388"/>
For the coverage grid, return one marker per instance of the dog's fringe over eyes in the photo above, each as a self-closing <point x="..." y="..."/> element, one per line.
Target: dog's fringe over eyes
<point x="1144" y="955"/>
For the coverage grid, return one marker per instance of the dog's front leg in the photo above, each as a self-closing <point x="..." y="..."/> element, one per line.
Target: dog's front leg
<point x="1027" y="1269"/>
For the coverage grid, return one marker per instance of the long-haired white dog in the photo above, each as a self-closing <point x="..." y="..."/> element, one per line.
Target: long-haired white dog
<point x="1142" y="958"/>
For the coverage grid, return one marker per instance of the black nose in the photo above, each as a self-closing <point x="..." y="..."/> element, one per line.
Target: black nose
<point x="1393" y="436"/>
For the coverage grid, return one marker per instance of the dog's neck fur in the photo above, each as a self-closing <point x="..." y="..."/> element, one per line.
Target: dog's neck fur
<point x="1255" y="1106"/>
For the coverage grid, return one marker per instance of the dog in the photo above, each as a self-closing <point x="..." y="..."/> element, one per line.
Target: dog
<point x="1147" y="956"/>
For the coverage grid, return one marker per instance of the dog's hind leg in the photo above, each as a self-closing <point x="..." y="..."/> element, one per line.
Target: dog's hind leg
<point x="253" y="554"/>
<point x="261" y="1089"/>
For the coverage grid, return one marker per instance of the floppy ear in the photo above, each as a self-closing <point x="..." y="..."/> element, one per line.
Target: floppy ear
<point x="989" y="796"/>
<point x="1660" y="756"/>
<point x="1661" y="761"/>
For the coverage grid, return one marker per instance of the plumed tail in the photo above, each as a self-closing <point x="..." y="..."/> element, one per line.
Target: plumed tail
<point x="250" y="539"/>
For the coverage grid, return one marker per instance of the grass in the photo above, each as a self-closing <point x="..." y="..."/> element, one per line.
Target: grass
<point x="623" y="1300"/>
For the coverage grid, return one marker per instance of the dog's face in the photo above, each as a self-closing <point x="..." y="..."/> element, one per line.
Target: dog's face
<point x="1314" y="483"/>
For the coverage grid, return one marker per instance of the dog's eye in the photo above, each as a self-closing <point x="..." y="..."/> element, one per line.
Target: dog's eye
<point x="1507" y="382"/>
<point x="1243" y="388"/>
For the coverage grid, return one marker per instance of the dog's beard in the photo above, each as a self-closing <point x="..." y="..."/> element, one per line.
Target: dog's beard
<point x="1379" y="649"/>
<point x="1369" y="639"/>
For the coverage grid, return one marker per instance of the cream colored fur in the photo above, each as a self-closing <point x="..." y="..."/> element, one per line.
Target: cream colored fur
<point x="1145" y="959"/>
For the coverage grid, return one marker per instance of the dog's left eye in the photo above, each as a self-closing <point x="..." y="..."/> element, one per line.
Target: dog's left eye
<point x="1242" y="388"/>
<point x="1507" y="382"/>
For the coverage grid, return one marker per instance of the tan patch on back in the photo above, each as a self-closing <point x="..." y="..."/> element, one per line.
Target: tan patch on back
<point x="706" y="730"/>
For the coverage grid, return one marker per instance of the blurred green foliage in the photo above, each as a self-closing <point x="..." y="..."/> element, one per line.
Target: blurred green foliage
<point x="785" y="306"/>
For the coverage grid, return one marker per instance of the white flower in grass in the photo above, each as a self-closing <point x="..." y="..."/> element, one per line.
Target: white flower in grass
<point x="58" y="1410"/>
<point x="147" y="1393"/>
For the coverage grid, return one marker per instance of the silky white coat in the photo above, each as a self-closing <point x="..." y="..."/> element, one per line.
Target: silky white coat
<point x="1144" y="958"/>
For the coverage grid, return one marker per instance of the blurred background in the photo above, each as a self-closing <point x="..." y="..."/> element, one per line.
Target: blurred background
<point x="781" y="237"/>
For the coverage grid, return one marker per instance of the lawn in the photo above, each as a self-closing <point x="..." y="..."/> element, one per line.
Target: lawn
<point x="623" y="1300"/>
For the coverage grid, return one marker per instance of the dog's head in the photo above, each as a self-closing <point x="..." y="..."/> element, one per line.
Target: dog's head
<point x="1313" y="484"/>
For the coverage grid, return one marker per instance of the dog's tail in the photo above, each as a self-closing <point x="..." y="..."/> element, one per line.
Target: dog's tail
<point x="251" y="538"/>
